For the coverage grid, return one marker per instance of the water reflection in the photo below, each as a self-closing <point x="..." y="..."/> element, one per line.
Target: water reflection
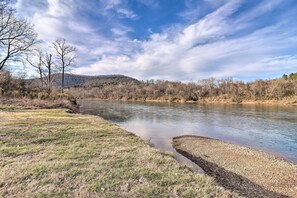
<point x="270" y="128"/>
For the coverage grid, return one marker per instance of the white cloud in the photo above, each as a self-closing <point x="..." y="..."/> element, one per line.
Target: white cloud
<point x="58" y="19"/>
<point x="56" y="8"/>
<point x="124" y="12"/>
<point x="118" y="7"/>
<point x="120" y="31"/>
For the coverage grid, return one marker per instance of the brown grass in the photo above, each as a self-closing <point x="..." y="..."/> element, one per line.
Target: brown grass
<point x="29" y="103"/>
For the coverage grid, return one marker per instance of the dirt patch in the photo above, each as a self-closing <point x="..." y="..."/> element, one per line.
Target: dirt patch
<point x="248" y="172"/>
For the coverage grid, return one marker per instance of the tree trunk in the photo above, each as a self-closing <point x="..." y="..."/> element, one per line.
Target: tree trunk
<point x="50" y="74"/>
<point x="49" y="81"/>
<point x="41" y="77"/>
<point x="63" y="72"/>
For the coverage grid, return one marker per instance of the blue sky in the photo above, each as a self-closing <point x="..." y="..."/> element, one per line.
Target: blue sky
<point x="185" y="40"/>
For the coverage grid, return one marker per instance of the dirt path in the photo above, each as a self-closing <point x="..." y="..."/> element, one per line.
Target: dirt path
<point x="248" y="172"/>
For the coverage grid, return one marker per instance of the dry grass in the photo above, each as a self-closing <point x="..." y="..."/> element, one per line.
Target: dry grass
<point x="248" y="171"/>
<point x="51" y="153"/>
<point x="29" y="103"/>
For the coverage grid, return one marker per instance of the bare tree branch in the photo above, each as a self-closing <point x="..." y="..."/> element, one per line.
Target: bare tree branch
<point x="36" y="60"/>
<point x="65" y="55"/>
<point x="17" y="36"/>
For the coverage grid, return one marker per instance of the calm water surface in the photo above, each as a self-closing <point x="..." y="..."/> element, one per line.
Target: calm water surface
<point x="269" y="128"/>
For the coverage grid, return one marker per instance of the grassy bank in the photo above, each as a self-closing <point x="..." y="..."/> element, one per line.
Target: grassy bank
<point x="51" y="153"/>
<point x="37" y="103"/>
<point x="248" y="172"/>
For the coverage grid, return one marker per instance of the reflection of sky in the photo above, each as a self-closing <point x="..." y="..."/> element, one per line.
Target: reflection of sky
<point x="270" y="128"/>
<point x="154" y="134"/>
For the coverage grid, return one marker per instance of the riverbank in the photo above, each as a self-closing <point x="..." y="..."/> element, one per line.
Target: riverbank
<point x="52" y="153"/>
<point x="287" y="102"/>
<point x="284" y="102"/>
<point x="35" y="103"/>
<point x="249" y="172"/>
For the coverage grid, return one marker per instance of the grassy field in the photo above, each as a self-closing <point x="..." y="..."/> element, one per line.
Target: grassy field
<point x="249" y="172"/>
<point x="52" y="153"/>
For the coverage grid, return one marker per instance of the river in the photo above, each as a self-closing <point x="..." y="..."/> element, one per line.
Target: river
<point x="266" y="127"/>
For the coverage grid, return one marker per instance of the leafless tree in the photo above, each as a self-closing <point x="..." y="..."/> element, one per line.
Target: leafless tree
<point x="36" y="60"/>
<point x="65" y="54"/>
<point x="49" y="65"/>
<point x="17" y="36"/>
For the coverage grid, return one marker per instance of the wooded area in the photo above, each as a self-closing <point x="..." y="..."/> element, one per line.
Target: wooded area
<point x="234" y="90"/>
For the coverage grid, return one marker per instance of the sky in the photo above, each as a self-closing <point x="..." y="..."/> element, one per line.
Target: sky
<point x="180" y="40"/>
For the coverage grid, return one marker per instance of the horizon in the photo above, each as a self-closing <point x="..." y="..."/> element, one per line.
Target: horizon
<point x="178" y="41"/>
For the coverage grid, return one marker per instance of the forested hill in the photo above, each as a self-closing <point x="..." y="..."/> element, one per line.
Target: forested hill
<point x="73" y="80"/>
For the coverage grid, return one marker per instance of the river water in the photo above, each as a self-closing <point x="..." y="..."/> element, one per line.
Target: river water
<point x="269" y="128"/>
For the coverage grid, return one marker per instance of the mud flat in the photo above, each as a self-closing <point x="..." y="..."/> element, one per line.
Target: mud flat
<point x="248" y="172"/>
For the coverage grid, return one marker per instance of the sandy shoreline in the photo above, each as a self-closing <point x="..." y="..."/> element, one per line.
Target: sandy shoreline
<point x="248" y="172"/>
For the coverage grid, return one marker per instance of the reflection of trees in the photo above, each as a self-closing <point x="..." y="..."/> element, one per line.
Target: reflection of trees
<point x="110" y="111"/>
<point x="119" y="115"/>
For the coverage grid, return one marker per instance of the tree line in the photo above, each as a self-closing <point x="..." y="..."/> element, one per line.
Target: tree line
<point x="223" y="89"/>
<point x="291" y="76"/>
<point x="19" y="44"/>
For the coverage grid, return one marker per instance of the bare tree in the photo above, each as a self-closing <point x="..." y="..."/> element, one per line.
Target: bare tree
<point x="17" y="36"/>
<point x="36" y="61"/>
<point x="65" y="54"/>
<point x="49" y="65"/>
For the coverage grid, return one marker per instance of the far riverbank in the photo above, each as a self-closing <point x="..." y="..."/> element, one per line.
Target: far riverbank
<point x="284" y="102"/>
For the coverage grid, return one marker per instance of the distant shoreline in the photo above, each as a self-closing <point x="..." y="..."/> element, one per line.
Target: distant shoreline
<point x="289" y="102"/>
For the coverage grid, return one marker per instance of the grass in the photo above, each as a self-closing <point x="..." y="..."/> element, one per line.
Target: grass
<point x="52" y="153"/>
<point x="36" y="103"/>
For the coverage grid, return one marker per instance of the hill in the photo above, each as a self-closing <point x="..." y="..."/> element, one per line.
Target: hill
<point x="73" y="80"/>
